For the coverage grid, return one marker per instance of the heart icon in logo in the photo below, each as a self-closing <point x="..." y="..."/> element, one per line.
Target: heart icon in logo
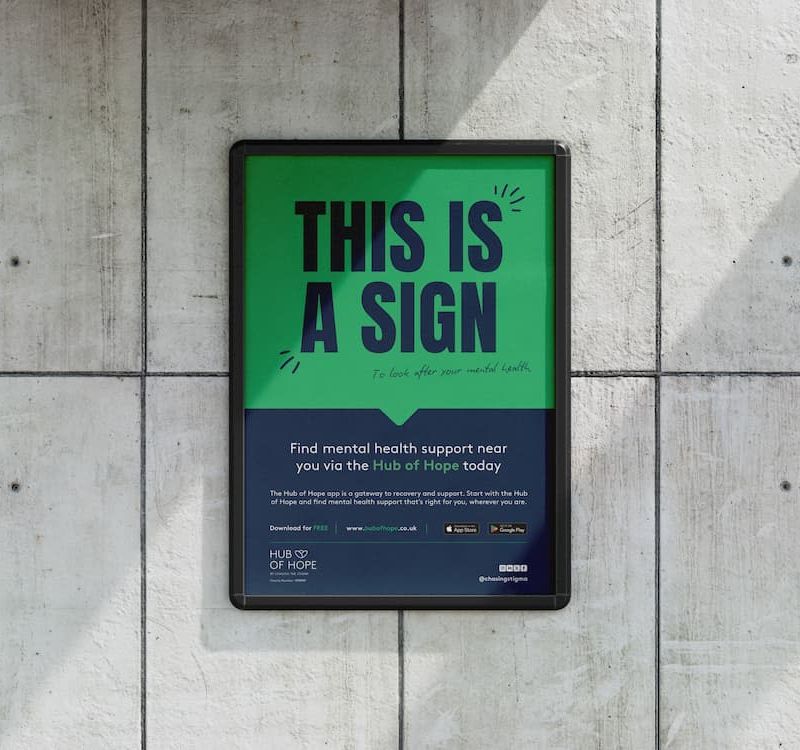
<point x="301" y="554"/>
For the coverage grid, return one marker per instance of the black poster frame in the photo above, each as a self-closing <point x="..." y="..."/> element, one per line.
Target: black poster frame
<point x="559" y="501"/>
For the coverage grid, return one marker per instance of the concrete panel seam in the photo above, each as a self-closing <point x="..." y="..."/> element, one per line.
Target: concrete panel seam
<point x="143" y="388"/>
<point x="574" y="374"/>
<point x="401" y="81"/>
<point x="657" y="394"/>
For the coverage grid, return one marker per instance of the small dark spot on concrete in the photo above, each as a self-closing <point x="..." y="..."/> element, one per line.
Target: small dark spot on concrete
<point x="792" y="58"/>
<point x="15" y="486"/>
<point x="786" y="486"/>
<point x="185" y="111"/>
<point x="14" y="260"/>
<point x="786" y="260"/>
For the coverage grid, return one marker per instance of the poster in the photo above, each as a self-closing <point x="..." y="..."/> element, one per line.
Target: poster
<point x="399" y="374"/>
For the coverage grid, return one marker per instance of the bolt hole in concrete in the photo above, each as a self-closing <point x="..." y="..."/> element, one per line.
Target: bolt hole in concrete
<point x="787" y="260"/>
<point x="15" y="486"/>
<point x="15" y="261"/>
<point x="786" y="486"/>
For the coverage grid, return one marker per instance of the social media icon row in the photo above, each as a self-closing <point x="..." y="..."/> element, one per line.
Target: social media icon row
<point x="515" y="568"/>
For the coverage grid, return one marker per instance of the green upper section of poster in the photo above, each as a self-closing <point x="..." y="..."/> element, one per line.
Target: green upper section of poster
<point x="425" y="282"/>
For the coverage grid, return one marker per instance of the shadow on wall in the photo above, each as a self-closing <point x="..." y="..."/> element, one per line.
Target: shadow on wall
<point x="739" y="295"/>
<point x="223" y="629"/>
<point x="732" y="669"/>
<point x="69" y="619"/>
<point x="490" y="31"/>
<point x="729" y="642"/>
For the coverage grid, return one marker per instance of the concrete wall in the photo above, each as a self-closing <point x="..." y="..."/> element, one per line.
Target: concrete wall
<point x="115" y="119"/>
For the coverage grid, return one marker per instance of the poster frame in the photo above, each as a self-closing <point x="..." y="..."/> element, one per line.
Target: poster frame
<point x="559" y="501"/>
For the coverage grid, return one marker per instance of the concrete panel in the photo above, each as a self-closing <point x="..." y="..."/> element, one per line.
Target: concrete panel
<point x="730" y="673"/>
<point x="236" y="679"/>
<point x="70" y="184"/>
<point x="269" y="70"/>
<point x="581" y="72"/>
<point x="580" y="677"/>
<point x="69" y="563"/>
<point x="731" y="201"/>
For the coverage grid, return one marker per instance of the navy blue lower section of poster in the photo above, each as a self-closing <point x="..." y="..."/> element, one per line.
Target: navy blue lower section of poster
<point x="345" y="502"/>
